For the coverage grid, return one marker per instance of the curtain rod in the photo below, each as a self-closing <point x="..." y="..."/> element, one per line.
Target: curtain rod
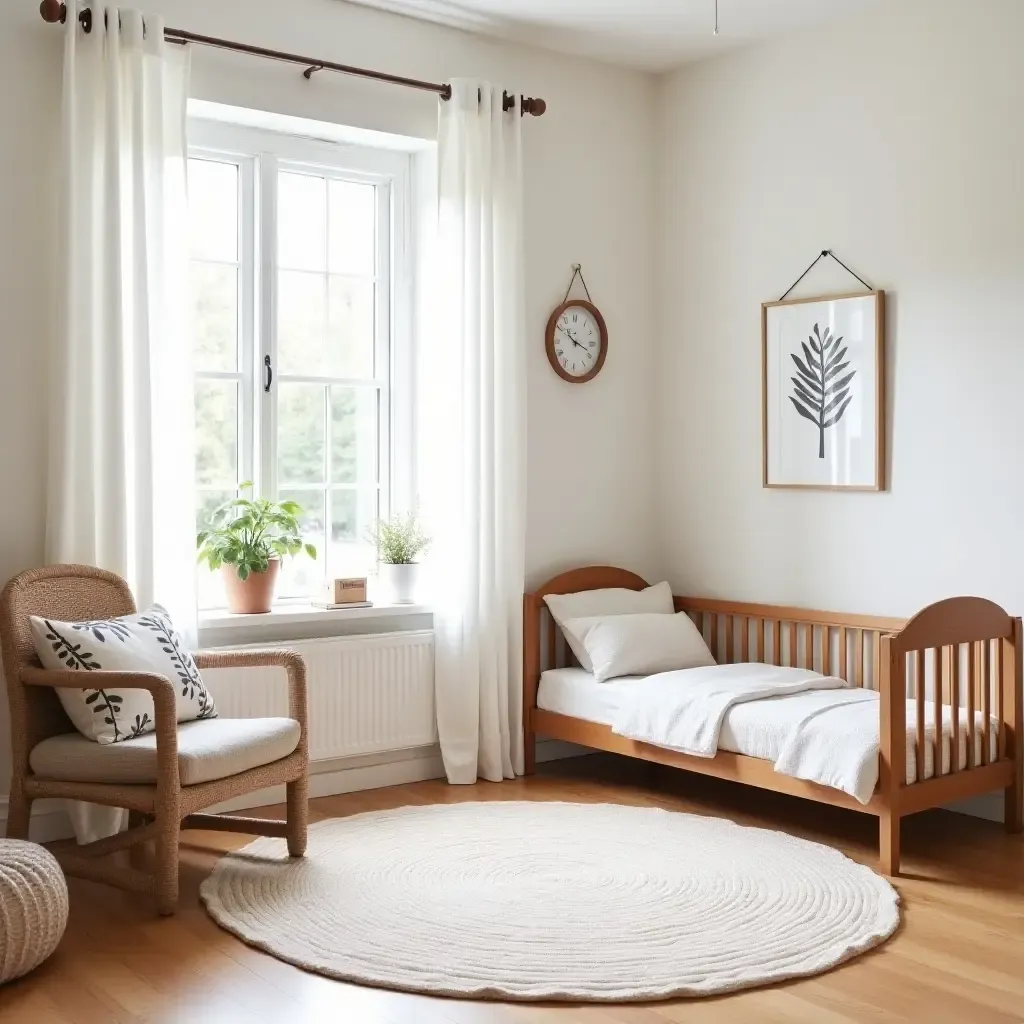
<point x="53" y="11"/>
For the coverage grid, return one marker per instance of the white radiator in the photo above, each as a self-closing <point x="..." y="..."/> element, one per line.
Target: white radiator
<point x="366" y="693"/>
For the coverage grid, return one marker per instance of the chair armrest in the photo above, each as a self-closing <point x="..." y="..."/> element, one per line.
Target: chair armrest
<point x="165" y="709"/>
<point x="291" y="661"/>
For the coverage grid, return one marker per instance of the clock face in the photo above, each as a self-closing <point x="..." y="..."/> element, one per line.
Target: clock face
<point x="578" y="341"/>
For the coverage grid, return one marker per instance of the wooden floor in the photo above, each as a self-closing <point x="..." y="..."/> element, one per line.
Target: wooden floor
<point x="958" y="956"/>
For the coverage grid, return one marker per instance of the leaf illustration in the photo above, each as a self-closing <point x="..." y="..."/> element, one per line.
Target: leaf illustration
<point x="840" y="384"/>
<point x="802" y="368"/>
<point x="192" y="685"/>
<point x="100" y="628"/>
<point x="834" y="357"/>
<point x="804" y="412"/>
<point x="837" y="368"/>
<point x="835" y="419"/>
<point x="835" y="401"/>
<point x="821" y="387"/>
<point x="804" y="395"/>
<point x="140" y="725"/>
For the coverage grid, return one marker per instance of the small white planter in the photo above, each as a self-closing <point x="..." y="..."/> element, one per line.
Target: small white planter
<point x="399" y="581"/>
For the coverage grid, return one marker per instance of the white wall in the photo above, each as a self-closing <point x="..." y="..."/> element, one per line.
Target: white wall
<point x="895" y="138"/>
<point x="589" y="184"/>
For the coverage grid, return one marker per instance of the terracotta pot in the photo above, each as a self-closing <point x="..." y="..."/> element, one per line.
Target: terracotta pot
<point x="254" y="595"/>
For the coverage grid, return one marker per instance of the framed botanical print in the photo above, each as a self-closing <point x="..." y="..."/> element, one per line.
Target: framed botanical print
<point x="823" y="392"/>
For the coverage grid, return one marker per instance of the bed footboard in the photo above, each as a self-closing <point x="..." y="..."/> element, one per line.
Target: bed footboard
<point x="956" y="669"/>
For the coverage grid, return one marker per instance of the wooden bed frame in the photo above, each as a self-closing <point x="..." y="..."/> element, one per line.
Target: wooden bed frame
<point x="974" y="649"/>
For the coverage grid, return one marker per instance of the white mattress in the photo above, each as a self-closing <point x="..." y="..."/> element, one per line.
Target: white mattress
<point x="757" y="728"/>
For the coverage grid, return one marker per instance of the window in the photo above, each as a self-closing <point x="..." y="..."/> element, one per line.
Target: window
<point x="294" y="263"/>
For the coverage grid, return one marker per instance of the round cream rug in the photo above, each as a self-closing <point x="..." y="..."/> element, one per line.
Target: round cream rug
<point x="589" y="902"/>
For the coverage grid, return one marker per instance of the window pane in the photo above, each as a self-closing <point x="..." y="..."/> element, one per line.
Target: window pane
<point x="301" y="312"/>
<point x="211" y="586"/>
<point x="215" y="316"/>
<point x="208" y="501"/>
<point x="301" y="221"/>
<point x="353" y="435"/>
<point x="352" y="228"/>
<point x="213" y="210"/>
<point x="302" y="575"/>
<point x="350" y="327"/>
<point x="301" y="433"/>
<point x="352" y="514"/>
<point x="217" y="433"/>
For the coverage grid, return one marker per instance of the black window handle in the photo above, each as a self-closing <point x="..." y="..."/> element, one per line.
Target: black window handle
<point x="270" y="374"/>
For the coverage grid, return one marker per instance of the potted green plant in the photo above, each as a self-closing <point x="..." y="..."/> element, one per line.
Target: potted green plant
<point x="399" y="542"/>
<point x="246" y="538"/>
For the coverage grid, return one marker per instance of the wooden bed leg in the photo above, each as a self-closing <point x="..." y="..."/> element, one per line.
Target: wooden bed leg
<point x="529" y="751"/>
<point x="1013" y="815"/>
<point x="889" y="843"/>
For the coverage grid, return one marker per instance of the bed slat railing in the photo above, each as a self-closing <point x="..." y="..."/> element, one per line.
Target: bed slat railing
<point x="919" y="706"/>
<point x="844" y="646"/>
<point x="986" y="692"/>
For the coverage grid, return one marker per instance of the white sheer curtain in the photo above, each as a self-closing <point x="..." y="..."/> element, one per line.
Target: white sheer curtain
<point x="473" y="479"/>
<point x="121" y="474"/>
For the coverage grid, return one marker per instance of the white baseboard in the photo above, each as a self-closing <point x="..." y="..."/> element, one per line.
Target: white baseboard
<point x="326" y="778"/>
<point x="49" y="820"/>
<point x="989" y="806"/>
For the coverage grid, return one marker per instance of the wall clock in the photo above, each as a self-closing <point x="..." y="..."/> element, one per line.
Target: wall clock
<point x="577" y="338"/>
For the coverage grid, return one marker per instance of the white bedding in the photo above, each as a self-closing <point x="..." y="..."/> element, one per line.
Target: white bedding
<point x="684" y="709"/>
<point x="761" y="728"/>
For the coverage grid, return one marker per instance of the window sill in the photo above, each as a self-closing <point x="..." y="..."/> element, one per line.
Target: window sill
<point x="221" y="628"/>
<point x="296" y="614"/>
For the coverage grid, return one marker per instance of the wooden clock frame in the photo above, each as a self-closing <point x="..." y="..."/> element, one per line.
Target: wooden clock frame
<point x="549" y="341"/>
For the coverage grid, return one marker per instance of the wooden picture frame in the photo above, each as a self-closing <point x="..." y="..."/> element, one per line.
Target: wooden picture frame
<point x="823" y="368"/>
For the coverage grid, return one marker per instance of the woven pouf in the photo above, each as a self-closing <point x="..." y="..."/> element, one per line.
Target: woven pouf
<point x="33" y="907"/>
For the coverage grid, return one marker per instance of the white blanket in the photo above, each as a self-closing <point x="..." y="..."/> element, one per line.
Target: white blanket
<point x="837" y="745"/>
<point x="684" y="710"/>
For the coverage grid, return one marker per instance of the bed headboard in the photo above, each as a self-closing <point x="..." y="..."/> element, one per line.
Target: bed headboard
<point x="835" y="644"/>
<point x="544" y="645"/>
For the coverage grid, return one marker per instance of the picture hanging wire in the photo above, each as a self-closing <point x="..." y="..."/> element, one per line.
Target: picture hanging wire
<point x="577" y="271"/>
<point x="716" y="17"/>
<point x="821" y="256"/>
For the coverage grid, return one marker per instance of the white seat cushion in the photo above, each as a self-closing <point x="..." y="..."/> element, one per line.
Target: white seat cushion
<point x="210" y="749"/>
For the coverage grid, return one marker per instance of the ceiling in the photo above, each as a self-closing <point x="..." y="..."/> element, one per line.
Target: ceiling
<point x="651" y="35"/>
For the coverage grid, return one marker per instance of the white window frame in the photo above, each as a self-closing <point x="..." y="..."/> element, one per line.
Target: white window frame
<point x="259" y="154"/>
<point x="245" y="312"/>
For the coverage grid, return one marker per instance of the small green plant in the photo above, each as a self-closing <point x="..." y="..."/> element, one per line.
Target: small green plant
<point x="248" y="532"/>
<point x="399" y="540"/>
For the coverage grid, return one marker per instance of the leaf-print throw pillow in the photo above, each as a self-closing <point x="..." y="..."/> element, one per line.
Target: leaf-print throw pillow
<point x="146" y="642"/>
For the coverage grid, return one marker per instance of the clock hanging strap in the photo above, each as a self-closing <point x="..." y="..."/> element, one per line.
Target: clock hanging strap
<point x="577" y="271"/>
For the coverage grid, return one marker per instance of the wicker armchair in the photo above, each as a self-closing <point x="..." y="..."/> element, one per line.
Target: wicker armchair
<point x="159" y="797"/>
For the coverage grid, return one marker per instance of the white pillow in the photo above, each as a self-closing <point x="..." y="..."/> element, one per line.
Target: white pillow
<point x="146" y="642"/>
<point x="640" y="645"/>
<point x="610" y="601"/>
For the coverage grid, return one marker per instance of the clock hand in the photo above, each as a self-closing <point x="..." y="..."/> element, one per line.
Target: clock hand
<point x="579" y="344"/>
